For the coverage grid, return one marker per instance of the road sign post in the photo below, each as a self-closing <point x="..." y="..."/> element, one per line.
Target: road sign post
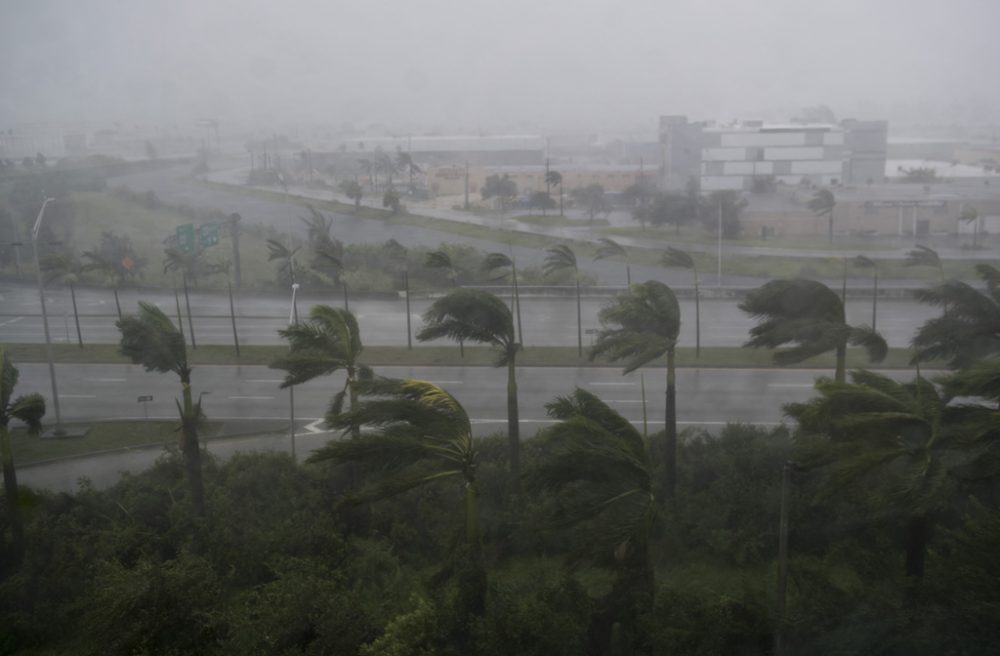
<point x="144" y="400"/>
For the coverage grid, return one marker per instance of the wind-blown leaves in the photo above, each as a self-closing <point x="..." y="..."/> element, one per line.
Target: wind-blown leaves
<point x="609" y="248"/>
<point x="639" y="326"/>
<point x="470" y="315"/>
<point x="29" y="408"/>
<point x="969" y="325"/>
<point x="151" y="339"/>
<point x="559" y="258"/>
<point x="675" y="257"/>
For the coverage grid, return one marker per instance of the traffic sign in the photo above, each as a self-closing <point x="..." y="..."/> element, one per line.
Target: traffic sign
<point x="208" y="235"/>
<point x="185" y="238"/>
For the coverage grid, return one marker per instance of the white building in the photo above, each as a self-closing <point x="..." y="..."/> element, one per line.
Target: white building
<point x="733" y="156"/>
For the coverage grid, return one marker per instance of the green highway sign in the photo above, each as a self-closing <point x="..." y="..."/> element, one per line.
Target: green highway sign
<point x="209" y="233"/>
<point x="185" y="238"/>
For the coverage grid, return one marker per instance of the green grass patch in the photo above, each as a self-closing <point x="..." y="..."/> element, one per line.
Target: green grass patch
<point x="476" y="356"/>
<point x="101" y="437"/>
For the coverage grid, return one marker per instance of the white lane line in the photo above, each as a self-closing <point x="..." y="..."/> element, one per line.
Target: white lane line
<point x="253" y="398"/>
<point x="77" y="396"/>
<point x="10" y="321"/>
<point x="265" y="380"/>
<point x="108" y="380"/>
<point x="623" y="401"/>
<point x="608" y="384"/>
<point x="445" y="382"/>
<point x="316" y="427"/>
<point x="791" y="384"/>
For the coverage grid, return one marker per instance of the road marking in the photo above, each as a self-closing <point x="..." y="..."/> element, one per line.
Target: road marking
<point x="445" y="382"/>
<point x="10" y="321"/>
<point x="607" y="384"/>
<point x="265" y="380"/>
<point x="315" y="427"/>
<point x="623" y="401"/>
<point x="253" y="398"/>
<point x="791" y="384"/>
<point x="77" y="396"/>
<point x="108" y="380"/>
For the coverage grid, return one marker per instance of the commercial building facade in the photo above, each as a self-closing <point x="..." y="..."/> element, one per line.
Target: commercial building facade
<point x="735" y="156"/>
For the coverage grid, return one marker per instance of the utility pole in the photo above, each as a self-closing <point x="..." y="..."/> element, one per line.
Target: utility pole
<point x="234" y="231"/>
<point x="466" y="185"/>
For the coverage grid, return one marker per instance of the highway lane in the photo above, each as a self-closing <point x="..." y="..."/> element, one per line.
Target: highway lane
<point x="708" y="397"/>
<point x="547" y="321"/>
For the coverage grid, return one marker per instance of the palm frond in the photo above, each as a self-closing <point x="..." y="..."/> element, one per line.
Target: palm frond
<point x="922" y="256"/>
<point x="151" y="339"/>
<point x="469" y="315"/>
<point x="559" y="258"/>
<point x="675" y="257"/>
<point x="28" y="409"/>
<point x="863" y="262"/>
<point x="871" y="341"/>
<point x="609" y="248"/>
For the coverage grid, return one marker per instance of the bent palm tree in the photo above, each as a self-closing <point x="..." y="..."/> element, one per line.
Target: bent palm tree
<point x="810" y="316"/>
<point x="58" y="266"/>
<point x="327" y="342"/>
<point x="496" y="264"/>
<point x="675" y="257"/>
<point x="191" y="265"/>
<point x="898" y="443"/>
<point x="822" y="204"/>
<point x="286" y="259"/>
<point x="553" y="178"/>
<point x="473" y="315"/>
<point x="28" y="409"/>
<point x="415" y="434"/>
<point x="610" y="248"/>
<point x="969" y="325"/>
<point x="863" y="262"/>
<point x="152" y="340"/>
<point x="639" y="327"/>
<point x="562" y="258"/>
<point x="925" y="256"/>
<point x="440" y="259"/>
<point x="598" y="464"/>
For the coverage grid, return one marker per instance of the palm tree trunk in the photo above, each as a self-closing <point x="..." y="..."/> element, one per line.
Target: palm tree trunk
<point x="840" y="373"/>
<point x="843" y="287"/>
<point x="346" y="305"/>
<point x="628" y="274"/>
<point x="517" y="302"/>
<point x="472" y="577"/>
<point x="917" y="530"/>
<point x="513" y="424"/>
<point x="76" y="314"/>
<point x="352" y="393"/>
<point x="191" y="449"/>
<point x="670" y="432"/>
<point x="697" y="317"/>
<point x="579" y="320"/>
<point x="187" y="305"/>
<point x="11" y="494"/>
<point x="875" y="302"/>
<point x="118" y="305"/>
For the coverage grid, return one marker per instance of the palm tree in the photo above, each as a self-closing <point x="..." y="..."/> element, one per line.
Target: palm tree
<point x="610" y="248"/>
<point x="473" y="315"/>
<point x="192" y="265"/>
<point x="404" y="162"/>
<point x="108" y="270"/>
<point x="598" y="464"/>
<point x="810" y="316"/>
<point x="822" y="204"/>
<point x="498" y="263"/>
<point x="58" y="266"/>
<point x="286" y="259"/>
<point x="675" y="257"/>
<point x="924" y="256"/>
<point x="327" y="342"/>
<point x="863" y="262"/>
<point x="29" y="409"/>
<point x="897" y="442"/>
<point x="969" y="325"/>
<point x="440" y="259"/>
<point x="352" y="190"/>
<point x="562" y="258"/>
<point x="553" y="178"/>
<point x="970" y="214"/>
<point x="152" y="340"/>
<point x="640" y="327"/>
<point x="415" y="434"/>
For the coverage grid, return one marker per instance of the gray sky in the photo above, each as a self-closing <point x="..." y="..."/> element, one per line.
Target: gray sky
<point x="459" y="65"/>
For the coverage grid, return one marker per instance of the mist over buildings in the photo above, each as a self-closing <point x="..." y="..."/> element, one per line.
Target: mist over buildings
<point x="448" y="67"/>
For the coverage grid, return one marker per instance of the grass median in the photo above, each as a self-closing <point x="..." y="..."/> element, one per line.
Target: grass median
<point x="449" y="356"/>
<point x="101" y="436"/>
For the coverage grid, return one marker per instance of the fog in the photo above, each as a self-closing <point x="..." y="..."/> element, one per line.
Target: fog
<point x="440" y="65"/>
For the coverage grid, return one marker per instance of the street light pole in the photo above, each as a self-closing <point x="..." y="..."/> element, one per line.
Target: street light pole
<point x="293" y="318"/>
<point x="45" y="317"/>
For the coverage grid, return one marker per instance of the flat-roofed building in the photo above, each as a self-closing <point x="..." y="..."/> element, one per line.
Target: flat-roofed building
<point x="734" y="156"/>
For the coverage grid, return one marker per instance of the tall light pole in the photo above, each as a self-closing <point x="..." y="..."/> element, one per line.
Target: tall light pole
<point x="45" y="317"/>
<point x="293" y="318"/>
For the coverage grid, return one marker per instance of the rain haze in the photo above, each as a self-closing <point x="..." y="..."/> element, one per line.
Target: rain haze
<point x="460" y="66"/>
<point x="542" y="328"/>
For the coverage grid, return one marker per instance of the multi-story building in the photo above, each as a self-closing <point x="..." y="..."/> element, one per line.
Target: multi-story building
<point x="734" y="156"/>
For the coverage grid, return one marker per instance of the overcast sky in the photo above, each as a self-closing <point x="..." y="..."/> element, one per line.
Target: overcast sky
<point x="462" y="65"/>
